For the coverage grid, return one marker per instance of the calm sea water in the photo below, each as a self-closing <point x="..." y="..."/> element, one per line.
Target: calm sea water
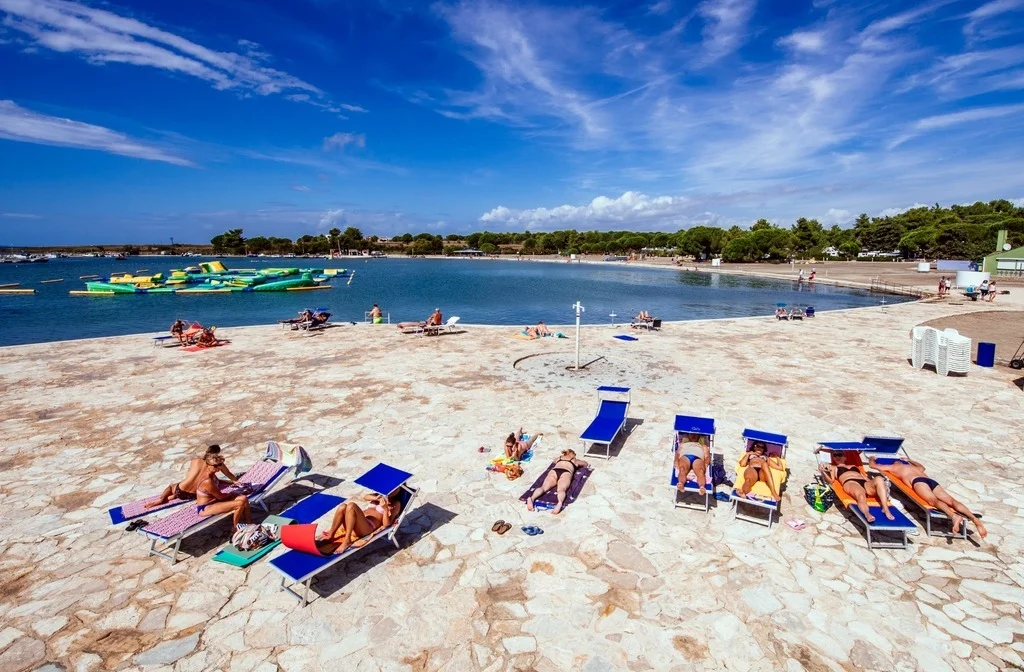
<point x="478" y="291"/>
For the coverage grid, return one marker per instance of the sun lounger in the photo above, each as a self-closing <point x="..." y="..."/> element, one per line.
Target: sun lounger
<point x="185" y="522"/>
<point x="653" y="324"/>
<point x="883" y="533"/>
<point x="760" y="497"/>
<point x="886" y="450"/>
<point x="612" y="407"/>
<point x="162" y="340"/>
<point x="435" y="329"/>
<point x="686" y="424"/>
<point x="309" y="510"/>
<point x="302" y="566"/>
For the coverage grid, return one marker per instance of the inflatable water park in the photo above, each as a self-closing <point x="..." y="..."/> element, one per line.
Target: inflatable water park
<point x="213" y="277"/>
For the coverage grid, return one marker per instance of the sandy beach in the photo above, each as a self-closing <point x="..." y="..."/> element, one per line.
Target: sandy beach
<point x="620" y="581"/>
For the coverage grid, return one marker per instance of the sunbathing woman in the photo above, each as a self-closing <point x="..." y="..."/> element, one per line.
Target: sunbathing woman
<point x="559" y="478"/>
<point x="178" y="329"/>
<point x="213" y="501"/>
<point x="542" y="329"/>
<point x="931" y="492"/>
<point x="757" y="465"/>
<point x="781" y="314"/>
<point x="305" y="316"/>
<point x="856" y="486"/>
<point x="693" y="454"/>
<point x="358" y="523"/>
<point x="186" y="488"/>
<point x="515" y="447"/>
<point x="207" y="338"/>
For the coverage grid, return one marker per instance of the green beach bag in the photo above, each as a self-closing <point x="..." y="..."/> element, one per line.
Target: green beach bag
<point x="819" y="497"/>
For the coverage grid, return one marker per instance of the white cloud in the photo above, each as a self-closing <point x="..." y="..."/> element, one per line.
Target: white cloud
<point x="805" y="40"/>
<point x="101" y="37"/>
<point x="837" y="216"/>
<point x="661" y="7"/>
<point x="631" y="210"/>
<point x="332" y="218"/>
<point x="300" y="187"/>
<point x="725" y="28"/>
<point x="340" y="140"/>
<point x="892" y="212"/>
<point x="19" y="215"/>
<point x="942" y="121"/>
<point x="989" y="10"/>
<point x="1019" y="202"/>
<point x="23" y="125"/>
<point x="351" y="108"/>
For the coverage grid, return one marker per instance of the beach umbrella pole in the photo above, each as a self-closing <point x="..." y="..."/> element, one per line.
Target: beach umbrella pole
<point x="579" y="311"/>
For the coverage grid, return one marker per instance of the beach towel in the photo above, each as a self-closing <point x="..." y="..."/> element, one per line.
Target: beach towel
<point x="499" y="463"/>
<point x="550" y="499"/>
<point x="197" y="348"/>
<point x="230" y="555"/>
<point x="257" y="476"/>
<point x="290" y="455"/>
<point x="625" y="337"/>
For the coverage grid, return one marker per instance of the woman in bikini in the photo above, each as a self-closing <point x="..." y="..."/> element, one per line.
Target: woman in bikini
<point x="358" y="523"/>
<point x="178" y="330"/>
<point x="212" y="501"/>
<point x="559" y="478"/>
<point x="515" y="447"/>
<point x="757" y="465"/>
<point x="852" y="479"/>
<point x="693" y="453"/>
<point x="186" y="488"/>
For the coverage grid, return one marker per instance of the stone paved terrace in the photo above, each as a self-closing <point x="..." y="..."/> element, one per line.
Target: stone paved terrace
<point x="620" y="581"/>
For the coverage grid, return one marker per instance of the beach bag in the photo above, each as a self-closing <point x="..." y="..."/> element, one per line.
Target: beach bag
<point x="718" y="474"/>
<point x="819" y="497"/>
<point x="249" y="537"/>
<point x="513" y="471"/>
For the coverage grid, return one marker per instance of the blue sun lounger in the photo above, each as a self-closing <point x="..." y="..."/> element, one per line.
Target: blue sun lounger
<point x="883" y="533"/>
<point x="703" y="427"/>
<point x="612" y="407"/>
<point x="298" y="567"/>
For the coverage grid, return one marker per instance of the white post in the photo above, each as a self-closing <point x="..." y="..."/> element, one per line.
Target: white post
<point x="579" y="310"/>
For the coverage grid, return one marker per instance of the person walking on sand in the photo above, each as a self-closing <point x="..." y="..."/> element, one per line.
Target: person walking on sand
<point x="930" y="491"/>
<point x="186" y="488"/>
<point x="558" y="479"/>
<point x="942" y="286"/>
<point x="992" y="291"/>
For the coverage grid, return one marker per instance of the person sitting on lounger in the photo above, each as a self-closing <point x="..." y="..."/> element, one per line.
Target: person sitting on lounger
<point x="376" y="316"/>
<point x="644" y="316"/>
<point x="931" y="492"/>
<point x="542" y="329"/>
<point x="855" y="485"/>
<point x="796" y="314"/>
<point x="212" y="501"/>
<point x="781" y="314"/>
<point x="207" y="338"/>
<point x="435" y="319"/>
<point x="178" y="329"/>
<point x="516" y="447"/>
<point x="757" y="465"/>
<point x="186" y="488"/>
<point x="319" y="319"/>
<point x="693" y="453"/>
<point x="304" y="316"/>
<point x="559" y="478"/>
<point x="352" y="524"/>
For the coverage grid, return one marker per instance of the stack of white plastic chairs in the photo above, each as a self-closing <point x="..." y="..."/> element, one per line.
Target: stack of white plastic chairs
<point x="954" y="353"/>
<point x="947" y="350"/>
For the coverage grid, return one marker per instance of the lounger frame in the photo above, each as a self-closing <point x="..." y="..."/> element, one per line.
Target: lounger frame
<point x="287" y="581"/>
<point x="687" y="424"/>
<point x="171" y="545"/>
<point x="777" y="445"/>
<point x="610" y="395"/>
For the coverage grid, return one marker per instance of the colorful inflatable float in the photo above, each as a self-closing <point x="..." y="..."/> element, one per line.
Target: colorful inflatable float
<point x="213" y="277"/>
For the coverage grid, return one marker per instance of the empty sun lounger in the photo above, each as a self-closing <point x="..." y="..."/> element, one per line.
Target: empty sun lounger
<point x="186" y="521"/>
<point x="301" y="567"/>
<point x="309" y="510"/>
<point x="703" y="427"/>
<point x="886" y="450"/>
<point x="760" y="497"/>
<point x="612" y="407"/>
<point x="883" y="533"/>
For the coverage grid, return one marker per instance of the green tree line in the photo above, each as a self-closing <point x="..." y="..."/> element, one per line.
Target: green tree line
<point x="956" y="232"/>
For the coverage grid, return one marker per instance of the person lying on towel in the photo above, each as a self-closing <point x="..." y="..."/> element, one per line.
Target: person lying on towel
<point x="186" y="488"/>
<point x="930" y="491"/>
<point x="351" y="525"/>
<point x="516" y="447"/>
<point x="693" y="454"/>
<point x="855" y="485"/>
<point x="757" y="465"/>
<point x="559" y="478"/>
<point x="542" y="329"/>
<point x="212" y="501"/>
<point x="207" y="338"/>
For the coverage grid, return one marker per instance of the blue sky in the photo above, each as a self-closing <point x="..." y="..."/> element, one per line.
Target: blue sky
<point x="138" y="121"/>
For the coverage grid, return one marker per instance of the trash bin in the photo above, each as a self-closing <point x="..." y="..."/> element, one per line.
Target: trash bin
<point x="986" y="354"/>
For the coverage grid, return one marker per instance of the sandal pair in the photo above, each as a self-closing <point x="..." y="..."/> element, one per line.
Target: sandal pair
<point x="501" y="527"/>
<point x="533" y="530"/>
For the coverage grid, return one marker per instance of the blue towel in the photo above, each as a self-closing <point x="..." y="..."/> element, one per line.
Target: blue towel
<point x="625" y="337"/>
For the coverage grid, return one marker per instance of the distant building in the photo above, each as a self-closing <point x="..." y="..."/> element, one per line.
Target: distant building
<point x="895" y="254"/>
<point x="830" y="251"/>
<point x="469" y="252"/>
<point x="1006" y="263"/>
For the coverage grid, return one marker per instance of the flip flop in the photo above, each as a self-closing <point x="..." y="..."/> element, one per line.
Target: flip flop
<point x="505" y="527"/>
<point x="796" y="524"/>
<point x="497" y="524"/>
<point x="533" y="530"/>
<point x="137" y="524"/>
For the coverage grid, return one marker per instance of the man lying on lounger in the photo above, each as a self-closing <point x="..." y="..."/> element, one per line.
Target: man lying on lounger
<point x="358" y="524"/>
<point x="186" y="488"/>
<point x="559" y="478"/>
<point x="930" y="491"/>
<point x="855" y="485"/>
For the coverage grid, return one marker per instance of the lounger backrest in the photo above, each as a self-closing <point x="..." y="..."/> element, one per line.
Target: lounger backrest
<point x="886" y="445"/>
<point x="689" y="424"/>
<point x="612" y="409"/>
<point x="776" y="443"/>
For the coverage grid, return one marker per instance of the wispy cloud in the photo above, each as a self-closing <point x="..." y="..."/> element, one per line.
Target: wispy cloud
<point x="631" y="208"/>
<point x="102" y="37"/>
<point x="726" y="25"/>
<point x="352" y="108"/>
<point x="339" y="141"/>
<point x="19" y="215"/>
<point x="23" y="125"/>
<point x="300" y="187"/>
<point x="942" y="121"/>
<point x="973" y="29"/>
<point x="811" y="41"/>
